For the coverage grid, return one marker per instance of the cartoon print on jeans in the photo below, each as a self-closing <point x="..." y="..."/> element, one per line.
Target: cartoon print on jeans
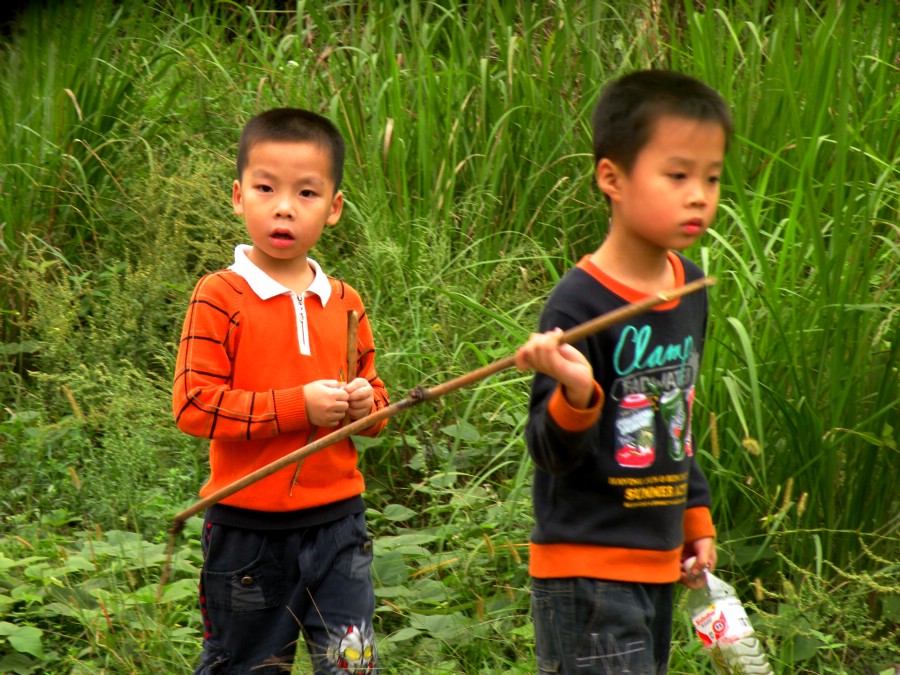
<point x="353" y="650"/>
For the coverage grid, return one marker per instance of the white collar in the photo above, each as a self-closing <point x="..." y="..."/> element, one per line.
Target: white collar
<point x="266" y="287"/>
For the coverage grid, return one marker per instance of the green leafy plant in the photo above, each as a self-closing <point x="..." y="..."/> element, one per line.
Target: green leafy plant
<point x="468" y="192"/>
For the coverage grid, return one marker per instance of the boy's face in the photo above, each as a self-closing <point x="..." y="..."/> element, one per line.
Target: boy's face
<point x="286" y="196"/>
<point x="669" y="197"/>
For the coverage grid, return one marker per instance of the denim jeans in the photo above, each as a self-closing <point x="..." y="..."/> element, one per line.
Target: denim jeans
<point x="260" y="590"/>
<point x="591" y="626"/>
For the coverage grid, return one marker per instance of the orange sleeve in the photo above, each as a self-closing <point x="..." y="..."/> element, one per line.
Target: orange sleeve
<point x="203" y="401"/>
<point x="698" y="524"/>
<point x="571" y="418"/>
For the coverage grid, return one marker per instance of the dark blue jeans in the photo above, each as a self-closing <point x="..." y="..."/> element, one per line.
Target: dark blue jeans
<point x="589" y="626"/>
<point x="260" y="590"/>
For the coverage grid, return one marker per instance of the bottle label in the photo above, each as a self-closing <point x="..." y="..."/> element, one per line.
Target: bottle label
<point x="722" y="622"/>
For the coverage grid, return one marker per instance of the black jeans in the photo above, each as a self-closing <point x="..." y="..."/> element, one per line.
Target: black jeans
<point x="594" y="627"/>
<point x="260" y="590"/>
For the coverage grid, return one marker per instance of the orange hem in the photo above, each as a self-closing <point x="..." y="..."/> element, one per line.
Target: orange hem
<point x="549" y="561"/>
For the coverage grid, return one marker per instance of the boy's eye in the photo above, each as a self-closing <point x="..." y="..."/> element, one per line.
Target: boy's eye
<point x="307" y="193"/>
<point x="264" y="188"/>
<point x="677" y="175"/>
<point x="713" y="180"/>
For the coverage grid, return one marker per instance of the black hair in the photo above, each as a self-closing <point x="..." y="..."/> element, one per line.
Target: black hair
<point x="293" y="124"/>
<point x="628" y="109"/>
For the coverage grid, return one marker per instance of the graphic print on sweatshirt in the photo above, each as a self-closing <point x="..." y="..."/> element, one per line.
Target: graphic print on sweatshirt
<point x="653" y="391"/>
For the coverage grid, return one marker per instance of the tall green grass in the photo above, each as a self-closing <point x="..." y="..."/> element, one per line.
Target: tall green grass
<point x="807" y="253"/>
<point x="468" y="193"/>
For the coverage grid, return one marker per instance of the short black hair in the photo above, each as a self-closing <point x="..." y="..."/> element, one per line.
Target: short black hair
<point x="293" y="124"/>
<point x="629" y="107"/>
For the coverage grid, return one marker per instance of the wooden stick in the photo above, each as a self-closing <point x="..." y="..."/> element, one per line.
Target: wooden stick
<point x="352" y="354"/>
<point x="419" y="395"/>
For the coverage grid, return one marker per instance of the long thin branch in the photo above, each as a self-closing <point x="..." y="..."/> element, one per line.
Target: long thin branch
<point x="419" y="395"/>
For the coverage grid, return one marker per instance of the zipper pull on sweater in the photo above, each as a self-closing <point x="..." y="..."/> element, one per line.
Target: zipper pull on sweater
<point x="302" y="327"/>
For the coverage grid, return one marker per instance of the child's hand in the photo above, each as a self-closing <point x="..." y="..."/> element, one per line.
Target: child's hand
<point x="704" y="552"/>
<point x="326" y="402"/>
<point x="544" y="353"/>
<point x="361" y="397"/>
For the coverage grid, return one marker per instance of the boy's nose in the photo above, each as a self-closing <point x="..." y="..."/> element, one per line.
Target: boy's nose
<point x="284" y="208"/>
<point x="697" y="196"/>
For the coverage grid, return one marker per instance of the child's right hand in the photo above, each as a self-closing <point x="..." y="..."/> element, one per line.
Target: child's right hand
<point x="326" y="402"/>
<point x="544" y="353"/>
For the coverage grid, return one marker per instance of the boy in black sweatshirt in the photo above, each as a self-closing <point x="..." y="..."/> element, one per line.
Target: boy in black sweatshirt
<point x="619" y="498"/>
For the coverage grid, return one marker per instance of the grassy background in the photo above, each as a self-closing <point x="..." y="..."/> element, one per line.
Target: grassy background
<point x="468" y="193"/>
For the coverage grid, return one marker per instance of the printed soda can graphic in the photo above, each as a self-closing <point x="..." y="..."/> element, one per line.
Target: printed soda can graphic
<point x="671" y="405"/>
<point x="634" y="432"/>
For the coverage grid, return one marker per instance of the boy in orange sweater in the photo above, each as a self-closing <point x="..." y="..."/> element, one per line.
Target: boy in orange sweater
<point x="261" y="371"/>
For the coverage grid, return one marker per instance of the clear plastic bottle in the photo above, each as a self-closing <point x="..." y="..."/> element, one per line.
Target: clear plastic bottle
<point x="721" y="623"/>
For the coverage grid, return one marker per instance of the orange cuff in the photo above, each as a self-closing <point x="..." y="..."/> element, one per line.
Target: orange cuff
<point x="571" y="418"/>
<point x="290" y="409"/>
<point x="698" y="524"/>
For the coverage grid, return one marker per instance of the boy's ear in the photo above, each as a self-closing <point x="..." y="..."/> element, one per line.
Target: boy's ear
<point x="337" y="205"/>
<point x="237" y="198"/>
<point x="609" y="178"/>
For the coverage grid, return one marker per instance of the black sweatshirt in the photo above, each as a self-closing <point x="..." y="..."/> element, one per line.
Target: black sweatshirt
<point x="617" y="488"/>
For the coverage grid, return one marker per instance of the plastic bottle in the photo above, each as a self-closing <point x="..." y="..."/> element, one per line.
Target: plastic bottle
<point x="721" y="623"/>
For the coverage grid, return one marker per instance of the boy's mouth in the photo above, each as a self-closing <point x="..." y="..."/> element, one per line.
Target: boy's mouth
<point x="693" y="226"/>
<point x="286" y="236"/>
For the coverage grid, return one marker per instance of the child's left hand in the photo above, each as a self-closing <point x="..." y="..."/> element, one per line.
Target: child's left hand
<point x="362" y="398"/>
<point x="704" y="550"/>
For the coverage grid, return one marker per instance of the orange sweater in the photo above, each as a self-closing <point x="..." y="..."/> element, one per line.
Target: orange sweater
<point x="239" y="381"/>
